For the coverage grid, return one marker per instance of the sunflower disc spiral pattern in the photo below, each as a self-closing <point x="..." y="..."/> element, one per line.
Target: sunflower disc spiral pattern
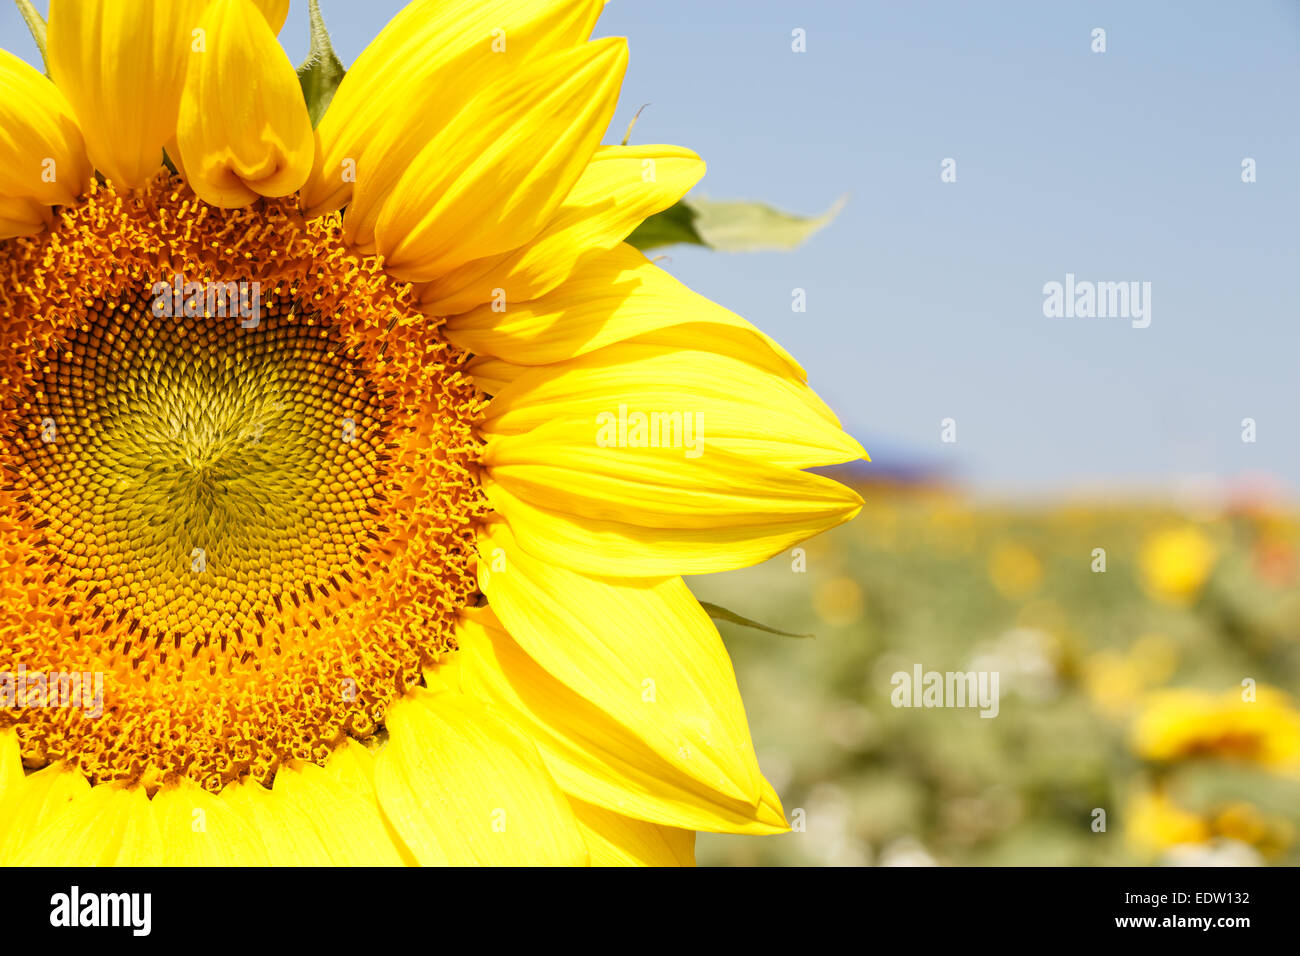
<point x="385" y="569"/>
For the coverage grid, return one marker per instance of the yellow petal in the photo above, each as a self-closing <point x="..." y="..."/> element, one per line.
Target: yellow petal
<point x="121" y="64"/>
<point x="42" y="155"/>
<point x="33" y="801"/>
<point x="666" y="461"/>
<point x="23" y="217"/>
<point x="140" y="843"/>
<point x="350" y="825"/>
<point x="693" y="401"/>
<point x="11" y="765"/>
<point x="616" y="840"/>
<point x="612" y="297"/>
<point x="313" y="816"/>
<point x="275" y="12"/>
<point x="496" y="173"/>
<point x="463" y="787"/>
<point x="492" y="375"/>
<point x="309" y="817"/>
<point x="244" y="130"/>
<point x="591" y="754"/>
<point x="635" y="517"/>
<point x="284" y="826"/>
<point x="621" y="186"/>
<point x="106" y="825"/>
<point x="353" y="766"/>
<point x="419" y="73"/>
<point x="644" y="652"/>
<point x="198" y="828"/>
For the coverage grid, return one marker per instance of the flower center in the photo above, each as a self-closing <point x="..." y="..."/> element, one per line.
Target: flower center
<point x="201" y="472"/>
<point x="238" y="475"/>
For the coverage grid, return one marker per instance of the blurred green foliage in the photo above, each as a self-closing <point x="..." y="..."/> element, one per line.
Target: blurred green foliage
<point x="928" y="577"/>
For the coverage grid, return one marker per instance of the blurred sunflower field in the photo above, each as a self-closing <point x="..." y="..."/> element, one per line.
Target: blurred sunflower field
<point x="1147" y="662"/>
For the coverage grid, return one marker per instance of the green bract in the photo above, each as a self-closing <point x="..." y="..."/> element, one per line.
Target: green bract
<point x="322" y="72"/>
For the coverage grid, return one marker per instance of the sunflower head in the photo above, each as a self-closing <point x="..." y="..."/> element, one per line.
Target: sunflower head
<point x="302" y="482"/>
<point x="221" y="492"/>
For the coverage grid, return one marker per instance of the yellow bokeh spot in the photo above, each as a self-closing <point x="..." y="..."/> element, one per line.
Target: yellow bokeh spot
<point x="1116" y="680"/>
<point x="1182" y="723"/>
<point x="1155" y="823"/>
<point x="838" y="601"/>
<point x="1112" y="682"/>
<point x="1175" y="563"/>
<point x="1156" y="655"/>
<point x="1014" y="570"/>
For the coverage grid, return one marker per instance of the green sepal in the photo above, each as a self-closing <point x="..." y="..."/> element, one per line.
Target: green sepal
<point x="719" y="613"/>
<point x="730" y="226"/>
<point x="322" y="71"/>
<point x="36" y="24"/>
<point x="674" y="225"/>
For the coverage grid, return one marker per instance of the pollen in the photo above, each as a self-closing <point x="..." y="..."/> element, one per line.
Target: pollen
<point x="238" y="482"/>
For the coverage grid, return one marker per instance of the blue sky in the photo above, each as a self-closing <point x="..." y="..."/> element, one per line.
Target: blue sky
<point x="925" y="298"/>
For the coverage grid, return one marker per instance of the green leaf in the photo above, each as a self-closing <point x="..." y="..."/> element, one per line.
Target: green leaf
<point x="36" y="24"/>
<point x="322" y="72"/>
<point x="732" y="226"/>
<point x="719" y="613"/>
<point x="675" y="224"/>
<point x="753" y="226"/>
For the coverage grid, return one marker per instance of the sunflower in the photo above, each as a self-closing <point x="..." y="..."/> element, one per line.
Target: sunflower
<point x="1175" y="563"/>
<point x="347" y="473"/>
<point x="1185" y="723"/>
